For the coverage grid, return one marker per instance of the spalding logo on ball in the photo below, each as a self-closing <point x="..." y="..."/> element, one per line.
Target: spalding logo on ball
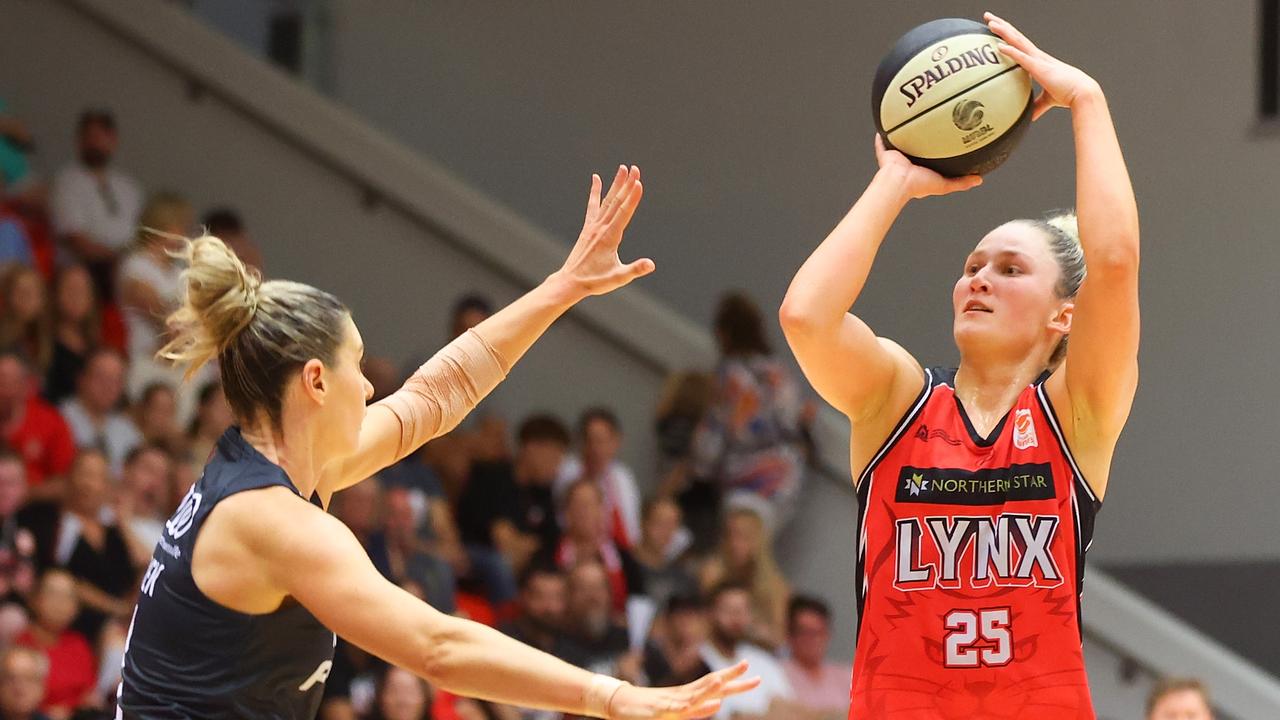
<point x="946" y="97"/>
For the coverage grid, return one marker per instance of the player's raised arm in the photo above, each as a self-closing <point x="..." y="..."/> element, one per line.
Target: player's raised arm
<point x="1100" y="374"/>
<point x="847" y="364"/>
<point x="449" y="385"/>
<point x="336" y="581"/>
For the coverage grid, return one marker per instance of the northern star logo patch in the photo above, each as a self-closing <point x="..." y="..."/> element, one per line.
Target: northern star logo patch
<point x="916" y="483"/>
<point x="988" y="486"/>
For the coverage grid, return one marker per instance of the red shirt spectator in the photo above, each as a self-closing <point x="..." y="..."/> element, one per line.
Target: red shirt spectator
<point x="31" y="426"/>
<point x="73" y="672"/>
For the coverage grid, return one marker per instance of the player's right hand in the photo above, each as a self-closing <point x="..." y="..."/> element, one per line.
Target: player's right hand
<point x="917" y="181"/>
<point x="700" y="698"/>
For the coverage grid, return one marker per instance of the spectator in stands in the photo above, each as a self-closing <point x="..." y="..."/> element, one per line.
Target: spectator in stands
<point x="23" y="673"/>
<point x="94" y="206"/>
<point x="662" y="545"/>
<point x="586" y="539"/>
<point x="472" y="709"/>
<point x="150" y="289"/>
<point x="402" y="696"/>
<point x="1179" y="699"/>
<point x="540" y="621"/>
<point x="359" y="507"/>
<point x="382" y="375"/>
<point x="468" y="312"/>
<point x="26" y="325"/>
<point x="15" y="146"/>
<point x="212" y="418"/>
<point x="226" y="225"/>
<point x="751" y="439"/>
<point x="731" y="622"/>
<point x="685" y="398"/>
<point x="156" y="417"/>
<point x="17" y="542"/>
<point x="745" y="558"/>
<point x="94" y="550"/>
<point x="600" y="439"/>
<point x="93" y="413"/>
<point x="73" y="672"/>
<point x="432" y="514"/>
<point x="77" y="330"/>
<point x="819" y="685"/>
<point x="399" y="553"/>
<point x="675" y="653"/>
<point x="591" y="625"/>
<point x="506" y="505"/>
<point x="34" y="428"/>
<point x="144" y="500"/>
<point x="15" y="241"/>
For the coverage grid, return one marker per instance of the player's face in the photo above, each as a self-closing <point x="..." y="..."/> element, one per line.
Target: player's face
<point x="1181" y="705"/>
<point x="351" y="391"/>
<point x="1006" y="298"/>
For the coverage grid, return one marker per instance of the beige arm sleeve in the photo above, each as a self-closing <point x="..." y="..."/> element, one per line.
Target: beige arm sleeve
<point x="441" y="392"/>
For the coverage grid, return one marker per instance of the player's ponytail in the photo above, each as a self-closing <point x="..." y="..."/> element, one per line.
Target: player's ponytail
<point x="259" y="332"/>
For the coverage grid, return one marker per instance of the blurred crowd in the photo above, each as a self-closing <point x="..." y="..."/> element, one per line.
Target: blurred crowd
<point x="534" y="525"/>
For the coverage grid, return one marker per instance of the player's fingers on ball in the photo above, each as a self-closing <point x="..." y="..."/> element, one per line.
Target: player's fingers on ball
<point x="1016" y="55"/>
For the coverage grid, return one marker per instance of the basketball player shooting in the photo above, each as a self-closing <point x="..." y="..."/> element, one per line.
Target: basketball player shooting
<point x="252" y="578"/>
<point x="978" y="486"/>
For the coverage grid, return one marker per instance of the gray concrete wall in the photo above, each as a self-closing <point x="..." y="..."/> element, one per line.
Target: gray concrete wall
<point x="397" y="276"/>
<point x="751" y="122"/>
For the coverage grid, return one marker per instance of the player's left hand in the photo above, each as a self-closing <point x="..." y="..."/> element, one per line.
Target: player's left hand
<point x="1062" y="84"/>
<point x="593" y="266"/>
<point x="700" y="698"/>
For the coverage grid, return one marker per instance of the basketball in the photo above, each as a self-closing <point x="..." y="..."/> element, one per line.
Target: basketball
<point x="946" y="97"/>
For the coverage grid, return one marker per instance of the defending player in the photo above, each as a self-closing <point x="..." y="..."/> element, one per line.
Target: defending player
<point x="978" y="486"/>
<point x="251" y="575"/>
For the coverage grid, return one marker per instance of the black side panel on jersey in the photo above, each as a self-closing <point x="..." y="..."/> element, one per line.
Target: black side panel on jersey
<point x="188" y="656"/>
<point x="1084" y="503"/>
<point x="863" y="487"/>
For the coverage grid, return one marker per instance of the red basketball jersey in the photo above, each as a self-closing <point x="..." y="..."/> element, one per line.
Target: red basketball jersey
<point x="970" y="565"/>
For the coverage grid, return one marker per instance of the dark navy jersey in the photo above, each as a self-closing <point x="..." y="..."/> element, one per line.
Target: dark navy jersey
<point x="188" y="656"/>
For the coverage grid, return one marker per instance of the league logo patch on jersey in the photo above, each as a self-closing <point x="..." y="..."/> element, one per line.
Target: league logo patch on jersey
<point x="1024" y="430"/>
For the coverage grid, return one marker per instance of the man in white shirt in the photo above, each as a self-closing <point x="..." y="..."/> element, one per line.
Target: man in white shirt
<point x="94" y="207"/>
<point x="730" y="620"/>
<point x="600" y="440"/>
<point x="93" y="412"/>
